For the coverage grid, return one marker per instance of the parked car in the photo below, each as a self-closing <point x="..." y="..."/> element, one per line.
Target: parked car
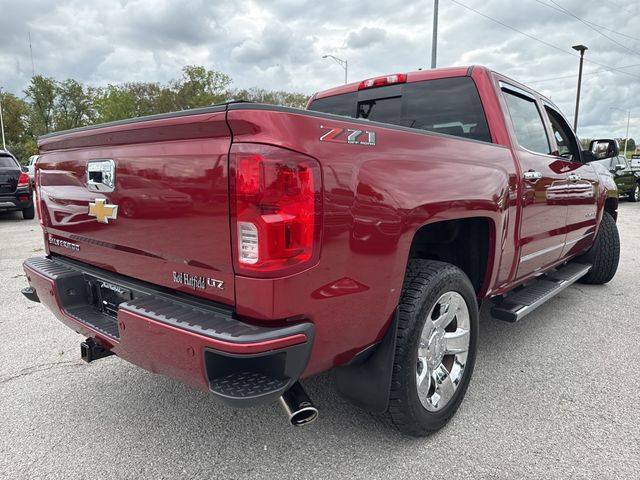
<point x="626" y="176"/>
<point x="31" y="167"/>
<point x="360" y="234"/>
<point x="15" y="187"/>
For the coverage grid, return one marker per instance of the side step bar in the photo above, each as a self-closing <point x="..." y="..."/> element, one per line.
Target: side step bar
<point x="525" y="300"/>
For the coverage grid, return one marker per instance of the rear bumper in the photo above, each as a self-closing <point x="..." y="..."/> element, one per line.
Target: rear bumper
<point x="195" y="342"/>
<point x="19" y="200"/>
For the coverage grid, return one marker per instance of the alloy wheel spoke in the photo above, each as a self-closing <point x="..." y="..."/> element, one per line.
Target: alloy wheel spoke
<point x="423" y="377"/>
<point x="456" y="342"/>
<point x="444" y="387"/>
<point x="448" y="310"/>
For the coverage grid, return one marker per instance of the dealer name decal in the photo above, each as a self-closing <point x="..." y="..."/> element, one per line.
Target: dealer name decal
<point x="196" y="282"/>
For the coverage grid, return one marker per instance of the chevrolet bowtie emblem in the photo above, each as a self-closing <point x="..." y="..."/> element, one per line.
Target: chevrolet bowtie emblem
<point x="103" y="211"/>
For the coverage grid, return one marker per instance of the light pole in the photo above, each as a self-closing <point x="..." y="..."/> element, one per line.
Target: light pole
<point x="581" y="49"/>
<point x="4" y="145"/>
<point x="434" y="40"/>
<point x="343" y="63"/>
<point x="626" y="137"/>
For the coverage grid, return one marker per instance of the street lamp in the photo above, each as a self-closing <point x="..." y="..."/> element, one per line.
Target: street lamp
<point x="343" y="63"/>
<point x="626" y="137"/>
<point x="434" y="39"/>
<point x="4" y="145"/>
<point x="581" y="49"/>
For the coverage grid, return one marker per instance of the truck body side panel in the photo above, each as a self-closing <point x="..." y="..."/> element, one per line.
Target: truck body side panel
<point x="375" y="198"/>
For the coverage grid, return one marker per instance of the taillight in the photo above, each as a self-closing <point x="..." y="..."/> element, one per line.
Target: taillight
<point x="23" y="180"/>
<point x="276" y="210"/>
<point x="382" y="81"/>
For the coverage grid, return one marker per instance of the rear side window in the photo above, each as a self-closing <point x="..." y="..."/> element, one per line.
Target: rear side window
<point x="449" y="105"/>
<point x="344" y="105"/>
<point x="527" y="123"/>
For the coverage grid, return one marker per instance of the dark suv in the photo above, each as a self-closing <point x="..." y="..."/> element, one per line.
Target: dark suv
<point x="626" y="175"/>
<point x="15" y="187"/>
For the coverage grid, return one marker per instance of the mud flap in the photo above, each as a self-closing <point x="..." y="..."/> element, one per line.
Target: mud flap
<point x="367" y="383"/>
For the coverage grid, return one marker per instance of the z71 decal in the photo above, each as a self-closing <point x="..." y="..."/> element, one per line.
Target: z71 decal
<point x="348" y="135"/>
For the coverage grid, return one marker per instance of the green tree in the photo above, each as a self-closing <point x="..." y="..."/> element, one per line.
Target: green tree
<point x="42" y="93"/>
<point x="200" y="87"/>
<point x="15" y="113"/>
<point x="73" y="106"/>
<point x="273" y="97"/>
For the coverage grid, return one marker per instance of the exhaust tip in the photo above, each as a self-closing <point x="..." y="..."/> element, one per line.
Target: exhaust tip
<point x="298" y="406"/>
<point x="304" y="416"/>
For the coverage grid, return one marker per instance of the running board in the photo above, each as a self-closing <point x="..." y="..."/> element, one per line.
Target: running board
<point x="525" y="300"/>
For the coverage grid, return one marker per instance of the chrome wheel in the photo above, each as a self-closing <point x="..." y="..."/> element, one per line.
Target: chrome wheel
<point x="442" y="352"/>
<point x="636" y="193"/>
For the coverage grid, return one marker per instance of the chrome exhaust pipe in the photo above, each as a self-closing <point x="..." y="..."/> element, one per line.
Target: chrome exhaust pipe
<point x="298" y="406"/>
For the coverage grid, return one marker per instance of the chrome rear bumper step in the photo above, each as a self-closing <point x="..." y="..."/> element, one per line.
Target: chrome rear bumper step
<point x="523" y="301"/>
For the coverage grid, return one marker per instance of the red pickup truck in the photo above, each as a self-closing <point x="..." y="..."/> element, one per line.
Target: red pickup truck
<point x="242" y="247"/>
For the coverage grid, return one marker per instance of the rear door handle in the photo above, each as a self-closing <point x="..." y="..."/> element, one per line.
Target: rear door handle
<point x="572" y="177"/>
<point x="532" y="176"/>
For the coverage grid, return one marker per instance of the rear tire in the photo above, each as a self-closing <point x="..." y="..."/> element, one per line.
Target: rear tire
<point x="604" y="254"/>
<point x="435" y="347"/>
<point x="29" y="213"/>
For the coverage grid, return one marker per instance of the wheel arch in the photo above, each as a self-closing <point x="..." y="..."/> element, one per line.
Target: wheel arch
<point x="468" y="243"/>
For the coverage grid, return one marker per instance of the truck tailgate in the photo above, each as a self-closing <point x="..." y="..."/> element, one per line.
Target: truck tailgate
<point x="168" y="178"/>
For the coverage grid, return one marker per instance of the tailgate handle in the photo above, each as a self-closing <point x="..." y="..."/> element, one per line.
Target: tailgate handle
<point x="101" y="175"/>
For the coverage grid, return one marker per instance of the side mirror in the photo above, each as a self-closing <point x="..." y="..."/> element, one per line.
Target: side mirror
<point x="620" y="166"/>
<point x="605" y="148"/>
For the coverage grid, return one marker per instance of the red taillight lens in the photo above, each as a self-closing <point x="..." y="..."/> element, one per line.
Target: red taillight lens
<point x="276" y="210"/>
<point x="382" y="81"/>
<point x="23" y="180"/>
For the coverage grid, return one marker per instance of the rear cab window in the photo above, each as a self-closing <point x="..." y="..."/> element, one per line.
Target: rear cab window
<point x="7" y="162"/>
<point x="448" y="106"/>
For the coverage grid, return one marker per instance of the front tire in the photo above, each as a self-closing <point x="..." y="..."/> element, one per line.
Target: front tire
<point x="435" y="347"/>
<point x="604" y="254"/>
<point x="634" y="196"/>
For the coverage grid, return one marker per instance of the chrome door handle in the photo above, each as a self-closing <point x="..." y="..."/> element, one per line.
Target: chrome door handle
<point x="572" y="177"/>
<point x="532" y="176"/>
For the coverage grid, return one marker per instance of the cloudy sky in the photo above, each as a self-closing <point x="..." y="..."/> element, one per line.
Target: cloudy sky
<point x="279" y="44"/>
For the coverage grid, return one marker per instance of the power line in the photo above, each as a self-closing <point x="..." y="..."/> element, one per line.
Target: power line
<point x="590" y="22"/>
<point x="570" y="13"/>
<point x="550" y="45"/>
<point x="595" y="72"/>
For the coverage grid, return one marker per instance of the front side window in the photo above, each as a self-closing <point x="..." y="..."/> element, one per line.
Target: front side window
<point x="527" y="123"/>
<point x="565" y="139"/>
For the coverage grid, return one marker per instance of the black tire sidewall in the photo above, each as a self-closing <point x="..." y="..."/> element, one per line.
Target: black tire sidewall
<point x="29" y="213"/>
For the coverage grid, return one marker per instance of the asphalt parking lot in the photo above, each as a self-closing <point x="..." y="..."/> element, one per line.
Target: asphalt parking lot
<point x="554" y="396"/>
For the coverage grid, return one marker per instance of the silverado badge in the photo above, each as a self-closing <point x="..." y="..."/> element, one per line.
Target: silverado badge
<point x="103" y="211"/>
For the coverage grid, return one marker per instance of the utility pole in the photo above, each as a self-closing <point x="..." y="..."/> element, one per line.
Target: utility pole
<point x="33" y="69"/>
<point x="626" y="138"/>
<point x="434" y="40"/>
<point x="4" y="145"/>
<point x="581" y="49"/>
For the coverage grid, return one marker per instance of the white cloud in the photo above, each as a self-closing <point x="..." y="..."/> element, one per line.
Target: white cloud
<point x="279" y="44"/>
